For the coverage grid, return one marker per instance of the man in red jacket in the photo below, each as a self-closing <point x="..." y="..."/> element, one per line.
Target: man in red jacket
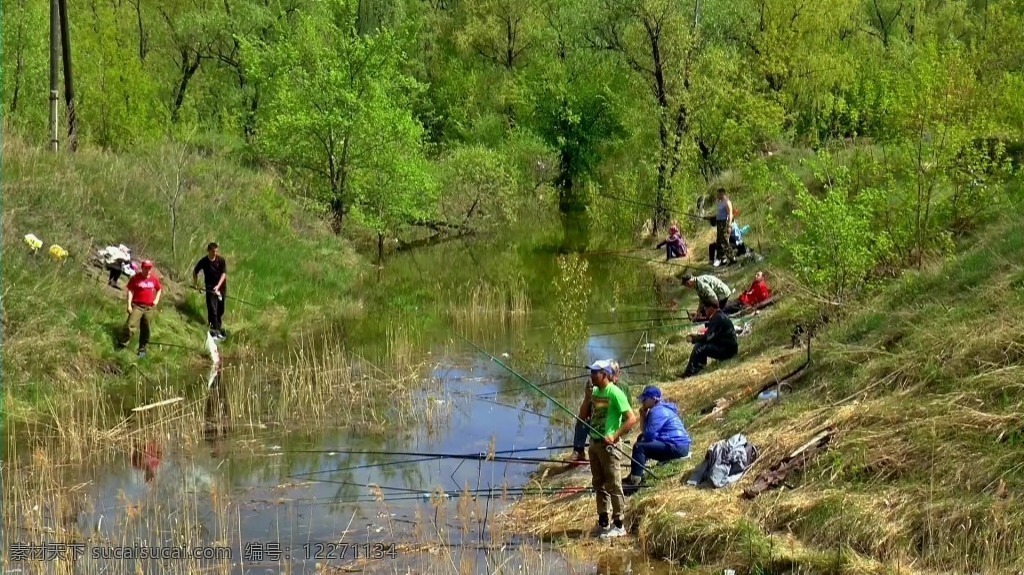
<point x="143" y="296"/>
<point x="757" y="296"/>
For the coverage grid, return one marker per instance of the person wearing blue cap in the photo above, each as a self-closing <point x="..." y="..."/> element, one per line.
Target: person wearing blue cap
<point x="664" y="436"/>
<point x="611" y="419"/>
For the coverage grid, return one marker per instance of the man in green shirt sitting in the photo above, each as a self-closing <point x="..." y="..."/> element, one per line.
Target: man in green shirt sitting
<point x="611" y="419"/>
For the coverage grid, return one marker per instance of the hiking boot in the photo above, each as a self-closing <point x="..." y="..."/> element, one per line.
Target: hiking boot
<point x="221" y="335"/>
<point x="614" y="532"/>
<point x="601" y="529"/>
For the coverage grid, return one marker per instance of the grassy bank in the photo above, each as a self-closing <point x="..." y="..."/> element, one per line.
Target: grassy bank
<point x="921" y="379"/>
<point x="60" y="319"/>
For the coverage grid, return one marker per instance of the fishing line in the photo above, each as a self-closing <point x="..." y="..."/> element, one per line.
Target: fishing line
<point x="554" y="401"/>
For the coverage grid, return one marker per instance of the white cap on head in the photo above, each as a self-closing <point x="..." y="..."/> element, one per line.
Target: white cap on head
<point x="604" y="365"/>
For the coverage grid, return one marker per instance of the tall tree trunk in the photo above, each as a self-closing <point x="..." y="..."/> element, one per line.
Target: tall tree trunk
<point x="188" y="69"/>
<point x="69" y="85"/>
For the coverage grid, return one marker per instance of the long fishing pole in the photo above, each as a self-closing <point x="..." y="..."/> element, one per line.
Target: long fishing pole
<point x="230" y="297"/>
<point x="554" y="401"/>
<point x="652" y="206"/>
<point x="698" y="267"/>
<point x="421" y="457"/>
<point x="555" y="382"/>
<point x="525" y="490"/>
<point x="493" y="493"/>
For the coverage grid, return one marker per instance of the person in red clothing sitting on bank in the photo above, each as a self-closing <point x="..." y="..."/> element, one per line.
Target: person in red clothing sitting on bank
<point x="143" y="296"/>
<point x="756" y="297"/>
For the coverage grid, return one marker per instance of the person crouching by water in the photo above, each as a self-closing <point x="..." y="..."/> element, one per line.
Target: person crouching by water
<point x="674" y="244"/>
<point x="663" y="438"/>
<point x="710" y="291"/>
<point x="611" y="419"/>
<point x="717" y="342"/>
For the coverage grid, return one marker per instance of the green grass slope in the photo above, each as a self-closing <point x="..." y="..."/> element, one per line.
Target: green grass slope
<point x="60" y="319"/>
<point x="922" y="380"/>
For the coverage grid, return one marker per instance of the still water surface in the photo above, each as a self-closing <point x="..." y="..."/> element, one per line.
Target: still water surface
<point x="301" y="502"/>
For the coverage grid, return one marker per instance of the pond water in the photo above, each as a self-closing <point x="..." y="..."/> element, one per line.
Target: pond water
<point x="298" y="499"/>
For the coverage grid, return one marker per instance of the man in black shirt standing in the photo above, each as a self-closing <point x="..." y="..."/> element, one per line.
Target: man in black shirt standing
<point x="718" y="342"/>
<point x="215" y="275"/>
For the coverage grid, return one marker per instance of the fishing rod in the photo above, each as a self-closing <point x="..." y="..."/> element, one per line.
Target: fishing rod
<point x="698" y="267"/>
<point x="645" y="328"/>
<point x="231" y="297"/>
<point x="421" y="457"/>
<point x="524" y="490"/>
<point x="557" y="381"/>
<point x="652" y="206"/>
<point x="493" y="493"/>
<point x="556" y="402"/>
<point x="668" y="315"/>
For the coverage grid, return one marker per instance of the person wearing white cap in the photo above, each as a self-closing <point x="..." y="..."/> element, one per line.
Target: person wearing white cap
<point x="611" y="419"/>
<point x="580" y="434"/>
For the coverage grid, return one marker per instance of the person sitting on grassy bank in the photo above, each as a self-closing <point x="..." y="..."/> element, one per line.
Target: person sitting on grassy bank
<point x="711" y="291"/>
<point x="718" y="342"/>
<point x="664" y="436"/>
<point x="674" y="244"/>
<point x="143" y="296"/>
<point x="579" y="441"/>
<point x="611" y="418"/>
<point x="756" y="297"/>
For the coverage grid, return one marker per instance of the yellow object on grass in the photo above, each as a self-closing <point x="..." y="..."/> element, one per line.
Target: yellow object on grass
<point x="33" y="242"/>
<point x="58" y="253"/>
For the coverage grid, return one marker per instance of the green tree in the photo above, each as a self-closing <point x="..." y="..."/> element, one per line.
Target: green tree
<point x="337" y="112"/>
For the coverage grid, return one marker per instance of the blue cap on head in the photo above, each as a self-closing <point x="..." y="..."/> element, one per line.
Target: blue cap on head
<point x="650" y="392"/>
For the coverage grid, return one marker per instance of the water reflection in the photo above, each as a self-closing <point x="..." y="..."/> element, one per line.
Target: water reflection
<point x="317" y="484"/>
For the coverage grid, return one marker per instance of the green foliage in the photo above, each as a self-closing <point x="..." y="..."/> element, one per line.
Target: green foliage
<point x="480" y="182"/>
<point x="835" y="248"/>
<point x="337" y="115"/>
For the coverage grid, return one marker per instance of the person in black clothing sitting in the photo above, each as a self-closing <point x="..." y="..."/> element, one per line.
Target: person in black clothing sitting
<point x="718" y="342"/>
<point x="215" y="275"/>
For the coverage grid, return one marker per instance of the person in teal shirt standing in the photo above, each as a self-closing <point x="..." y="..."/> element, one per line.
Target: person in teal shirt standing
<point x="611" y="419"/>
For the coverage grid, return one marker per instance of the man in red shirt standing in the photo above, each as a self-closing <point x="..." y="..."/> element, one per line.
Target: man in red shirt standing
<point x="143" y="296"/>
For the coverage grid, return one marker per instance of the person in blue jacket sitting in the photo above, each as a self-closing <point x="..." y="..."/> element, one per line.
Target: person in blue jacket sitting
<point x="664" y="437"/>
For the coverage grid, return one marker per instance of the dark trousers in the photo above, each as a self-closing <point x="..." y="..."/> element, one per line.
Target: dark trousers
<point x="702" y="307"/>
<point x="579" y="436"/>
<point x="733" y="307"/>
<point x="656" y="450"/>
<point x="673" y="251"/>
<point x="702" y="351"/>
<point x="215" y="308"/>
